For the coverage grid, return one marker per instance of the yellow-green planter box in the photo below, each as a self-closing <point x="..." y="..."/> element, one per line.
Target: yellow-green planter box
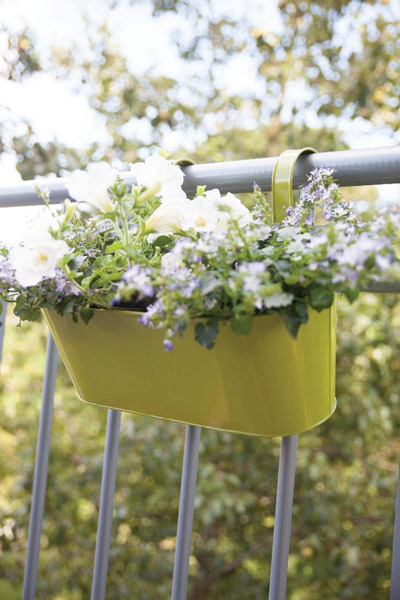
<point x="263" y="383"/>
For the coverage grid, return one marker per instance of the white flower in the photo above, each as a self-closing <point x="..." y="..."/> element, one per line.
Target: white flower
<point x="202" y="214"/>
<point x="158" y="173"/>
<point x="287" y="232"/>
<point x="263" y="232"/>
<point x="317" y="240"/>
<point x="38" y="260"/>
<point x="167" y="218"/>
<point x="296" y="246"/>
<point x="170" y="262"/>
<point x="213" y="195"/>
<point x="36" y="230"/>
<point x="92" y="186"/>
<point x="277" y="300"/>
<point x="232" y="208"/>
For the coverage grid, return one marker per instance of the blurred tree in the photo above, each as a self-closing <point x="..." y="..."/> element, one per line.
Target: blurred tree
<point x="331" y="62"/>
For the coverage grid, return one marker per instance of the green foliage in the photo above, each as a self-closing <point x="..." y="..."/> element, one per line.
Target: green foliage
<point x="342" y="52"/>
<point x="344" y="494"/>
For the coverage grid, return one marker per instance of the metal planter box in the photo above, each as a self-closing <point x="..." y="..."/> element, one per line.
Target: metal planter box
<point x="262" y="384"/>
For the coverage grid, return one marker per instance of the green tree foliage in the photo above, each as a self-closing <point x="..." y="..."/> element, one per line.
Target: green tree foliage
<point x="344" y="496"/>
<point x="345" y="55"/>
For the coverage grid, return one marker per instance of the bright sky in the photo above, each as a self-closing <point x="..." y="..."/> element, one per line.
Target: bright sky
<point x="55" y="110"/>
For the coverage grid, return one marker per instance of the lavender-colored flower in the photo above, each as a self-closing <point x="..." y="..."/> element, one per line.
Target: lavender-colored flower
<point x="138" y="280"/>
<point x="383" y="262"/>
<point x="168" y="345"/>
<point x="252" y="273"/>
<point x="64" y="286"/>
<point x="154" y="311"/>
<point x="7" y="278"/>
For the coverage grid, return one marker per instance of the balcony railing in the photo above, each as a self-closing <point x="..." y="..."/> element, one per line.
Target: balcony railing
<point x="353" y="168"/>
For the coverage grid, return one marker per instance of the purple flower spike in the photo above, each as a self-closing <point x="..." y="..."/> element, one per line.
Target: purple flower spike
<point x="168" y="345"/>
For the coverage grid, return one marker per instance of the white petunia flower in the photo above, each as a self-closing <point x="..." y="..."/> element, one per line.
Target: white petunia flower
<point x="232" y="208"/>
<point x="158" y="173"/>
<point x="38" y="260"/>
<point x="202" y="214"/>
<point x="36" y="230"/>
<point x="167" y="218"/>
<point x="92" y="186"/>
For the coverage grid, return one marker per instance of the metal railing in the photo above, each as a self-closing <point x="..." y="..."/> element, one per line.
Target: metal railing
<point x="353" y="168"/>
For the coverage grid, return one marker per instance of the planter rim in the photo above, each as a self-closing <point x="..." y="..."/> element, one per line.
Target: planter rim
<point x="223" y="430"/>
<point x="128" y="311"/>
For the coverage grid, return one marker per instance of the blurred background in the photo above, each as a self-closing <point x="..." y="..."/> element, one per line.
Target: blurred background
<point x="114" y="80"/>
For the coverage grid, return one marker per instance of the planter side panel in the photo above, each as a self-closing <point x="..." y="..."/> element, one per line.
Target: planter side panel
<point x="261" y="384"/>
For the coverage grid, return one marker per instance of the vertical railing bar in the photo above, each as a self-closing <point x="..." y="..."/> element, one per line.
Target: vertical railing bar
<point x="395" y="578"/>
<point x="186" y="508"/>
<point x="106" y="505"/>
<point x="283" y="517"/>
<point x="40" y="474"/>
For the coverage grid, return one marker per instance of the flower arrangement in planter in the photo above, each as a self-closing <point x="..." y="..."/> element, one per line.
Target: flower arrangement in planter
<point x="120" y="260"/>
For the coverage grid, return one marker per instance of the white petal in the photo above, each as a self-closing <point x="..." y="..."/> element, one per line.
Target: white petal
<point x="167" y="218"/>
<point x="92" y="186"/>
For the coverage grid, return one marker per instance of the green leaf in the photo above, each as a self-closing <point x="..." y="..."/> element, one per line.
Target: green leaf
<point x="321" y="297"/>
<point x="118" y="245"/>
<point x="205" y="334"/>
<point x="293" y="316"/>
<point x="102" y="281"/>
<point x="351" y="294"/>
<point x="241" y="324"/>
<point x="86" y="314"/>
<point x="28" y="313"/>
<point x="292" y="279"/>
<point x="162" y="241"/>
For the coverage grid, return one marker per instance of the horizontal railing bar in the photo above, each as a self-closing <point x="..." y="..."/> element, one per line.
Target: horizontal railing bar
<point x="372" y="166"/>
<point x="353" y="168"/>
<point x="383" y="287"/>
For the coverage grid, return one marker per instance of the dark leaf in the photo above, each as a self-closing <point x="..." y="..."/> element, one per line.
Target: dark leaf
<point x="321" y="297"/>
<point x="351" y="294"/>
<point x="86" y="314"/>
<point x="294" y="316"/>
<point x="206" y="333"/>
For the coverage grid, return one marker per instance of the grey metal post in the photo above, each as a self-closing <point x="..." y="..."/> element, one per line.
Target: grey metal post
<point x="186" y="507"/>
<point x="106" y="505"/>
<point x="283" y="517"/>
<point x="395" y="579"/>
<point x="40" y="475"/>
